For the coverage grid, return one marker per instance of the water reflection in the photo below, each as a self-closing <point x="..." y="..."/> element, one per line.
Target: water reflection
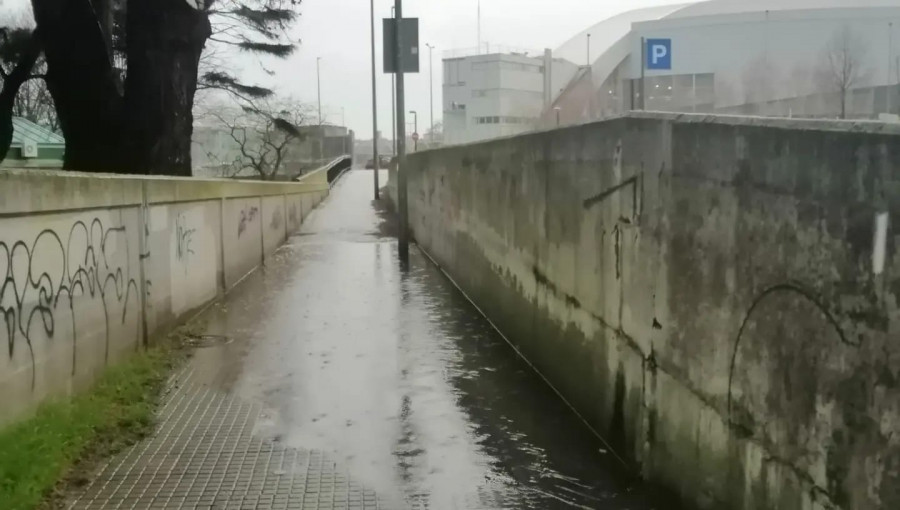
<point x="529" y="448"/>
<point x="396" y="376"/>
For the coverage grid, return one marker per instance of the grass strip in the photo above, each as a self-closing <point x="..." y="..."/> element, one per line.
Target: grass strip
<point x="55" y="448"/>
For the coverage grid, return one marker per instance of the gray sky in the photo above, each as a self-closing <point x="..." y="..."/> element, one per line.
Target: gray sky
<point x="338" y="31"/>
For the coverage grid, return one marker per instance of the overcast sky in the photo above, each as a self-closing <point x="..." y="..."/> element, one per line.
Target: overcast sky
<point x="338" y="31"/>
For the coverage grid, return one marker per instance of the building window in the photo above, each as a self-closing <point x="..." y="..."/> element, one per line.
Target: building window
<point x="504" y="120"/>
<point x="520" y="67"/>
<point x="485" y="64"/>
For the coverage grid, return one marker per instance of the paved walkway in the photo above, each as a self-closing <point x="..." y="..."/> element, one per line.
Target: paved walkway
<point x="348" y="382"/>
<point x="205" y="455"/>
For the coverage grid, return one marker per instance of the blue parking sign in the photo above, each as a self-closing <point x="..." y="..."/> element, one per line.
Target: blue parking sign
<point x="659" y="54"/>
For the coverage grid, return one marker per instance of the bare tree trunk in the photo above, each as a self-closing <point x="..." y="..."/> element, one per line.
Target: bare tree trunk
<point x="165" y="40"/>
<point x="80" y="78"/>
<point x="104" y="9"/>
<point x="843" y="103"/>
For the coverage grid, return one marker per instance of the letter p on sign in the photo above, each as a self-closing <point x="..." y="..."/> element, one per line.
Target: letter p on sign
<point x="659" y="54"/>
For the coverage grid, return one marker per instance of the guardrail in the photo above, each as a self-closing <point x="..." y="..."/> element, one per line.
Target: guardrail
<point x="333" y="170"/>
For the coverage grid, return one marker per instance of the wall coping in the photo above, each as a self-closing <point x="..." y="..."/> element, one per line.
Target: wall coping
<point x="834" y="125"/>
<point x="29" y="191"/>
<point x="873" y="127"/>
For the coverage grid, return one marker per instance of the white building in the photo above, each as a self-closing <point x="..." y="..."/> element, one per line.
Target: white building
<point x="498" y="94"/>
<point x="761" y="57"/>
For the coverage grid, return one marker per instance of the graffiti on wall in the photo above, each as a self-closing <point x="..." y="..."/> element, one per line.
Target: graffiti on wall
<point x="47" y="279"/>
<point x="294" y="216"/>
<point x="183" y="237"/>
<point x="277" y="219"/>
<point x="145" y="247"/>
<point x="247" y="215"/>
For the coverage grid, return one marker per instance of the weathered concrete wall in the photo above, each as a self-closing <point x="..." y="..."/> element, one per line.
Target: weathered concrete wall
<point x="94" y="266"/>
<point x="702" y="290"/>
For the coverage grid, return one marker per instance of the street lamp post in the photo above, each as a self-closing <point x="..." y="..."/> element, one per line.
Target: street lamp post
<point x="589" y="50"/>
<point x="479" y="27"/>
<point x="319" y="88"/>
<point x="890" y="61"/>
<point x="374" y="102"/>
<point x="415" y="115"/>
<point x="431" y="86"/>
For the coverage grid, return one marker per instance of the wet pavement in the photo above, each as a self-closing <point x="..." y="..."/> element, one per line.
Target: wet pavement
<point x="384" y="387"/>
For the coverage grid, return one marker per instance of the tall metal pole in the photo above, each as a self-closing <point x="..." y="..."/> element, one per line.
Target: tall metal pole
<point x="403" y="208"/>
<point x="887" y="89"/>
<point x="643" y="73"/>
<point x="589" y="50"/>
<point x="415" y="115"/>
<point x="393" y="102"/>
<point x="479" y="27"/>
<point x="431" y="86"/>
<point x="319" y="88"/>
<point x="374" y="103"/>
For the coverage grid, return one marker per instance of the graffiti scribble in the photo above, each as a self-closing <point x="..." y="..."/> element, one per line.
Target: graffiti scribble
<point x="247" y="215"/>
<point x="293" y="215"/>
<point x="183" y="237"/>
<point x="37" y="277"/>
<point x="277" y="219"/>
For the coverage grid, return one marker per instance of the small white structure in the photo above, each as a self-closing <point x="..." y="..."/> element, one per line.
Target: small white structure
<point x="499" y="94"/>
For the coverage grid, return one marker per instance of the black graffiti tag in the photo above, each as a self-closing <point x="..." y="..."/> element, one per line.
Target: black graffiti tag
<point x="37" y="277"/>
<point x="247" y="215"/>
<point x="184" y="237"/>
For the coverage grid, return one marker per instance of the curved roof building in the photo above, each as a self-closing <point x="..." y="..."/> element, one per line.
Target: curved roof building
<point x="766" y="57"/>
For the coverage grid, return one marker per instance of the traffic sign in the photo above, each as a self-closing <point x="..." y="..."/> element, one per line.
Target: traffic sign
<point x="409" y="38"/>
<point x="659" y="54"/>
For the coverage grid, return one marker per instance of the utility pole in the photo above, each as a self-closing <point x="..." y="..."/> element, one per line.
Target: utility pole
<point x="319" y="88"/>
<point x="374" y="102"/>
<point x="403" y="206"/>
<point x="431" y="86"/>
<point x="393" y="102"/>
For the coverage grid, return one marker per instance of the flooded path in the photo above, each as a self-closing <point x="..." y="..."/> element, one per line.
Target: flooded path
<point x="397" y="377"/>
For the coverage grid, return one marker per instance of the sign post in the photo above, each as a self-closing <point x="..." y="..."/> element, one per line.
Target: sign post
<point x="376" y="135"/>
<point x="659" y="54"/>
<point x="401" y="43"/>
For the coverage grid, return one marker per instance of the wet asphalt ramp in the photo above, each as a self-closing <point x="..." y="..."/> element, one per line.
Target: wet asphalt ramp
<point x="395" y="375"/>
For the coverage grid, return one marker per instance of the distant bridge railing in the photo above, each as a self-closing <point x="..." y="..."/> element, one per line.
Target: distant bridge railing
<point x="334" y="169"/>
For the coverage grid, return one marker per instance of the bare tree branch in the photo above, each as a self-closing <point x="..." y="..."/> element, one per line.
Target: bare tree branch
<point x="266" y="133"/>
<point x="843" y="64"/>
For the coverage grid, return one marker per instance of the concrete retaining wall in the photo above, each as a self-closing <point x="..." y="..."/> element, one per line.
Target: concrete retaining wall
<point x="94" y="266"/>
<point x="704" y="291"/>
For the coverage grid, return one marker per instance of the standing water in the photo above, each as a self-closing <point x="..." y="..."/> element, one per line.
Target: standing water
<point x="397" y="377"/>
